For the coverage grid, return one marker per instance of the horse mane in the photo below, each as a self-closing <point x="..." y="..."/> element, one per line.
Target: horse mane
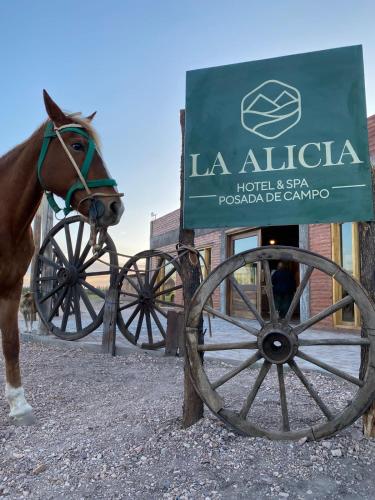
<point x="76" y="118"/>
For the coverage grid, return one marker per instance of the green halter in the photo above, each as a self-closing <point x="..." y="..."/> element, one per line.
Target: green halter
<point x="49" y="134"/>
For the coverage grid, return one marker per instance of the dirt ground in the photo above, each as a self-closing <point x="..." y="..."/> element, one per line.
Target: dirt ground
<point x="110" y="428"/>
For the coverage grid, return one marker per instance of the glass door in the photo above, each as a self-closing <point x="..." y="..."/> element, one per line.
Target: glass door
<point x="247" y="277"/>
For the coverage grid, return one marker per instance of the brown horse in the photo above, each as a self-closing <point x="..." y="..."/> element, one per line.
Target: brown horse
<point x="21" y="192"/>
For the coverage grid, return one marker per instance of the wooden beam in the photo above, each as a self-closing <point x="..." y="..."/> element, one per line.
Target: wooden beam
<point x="46" y="225"/>
<point x="366" y="232"/>
<point x="190" y="273"/>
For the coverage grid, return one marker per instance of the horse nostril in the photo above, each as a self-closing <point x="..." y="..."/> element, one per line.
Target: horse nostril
<point x="115" y="207"/>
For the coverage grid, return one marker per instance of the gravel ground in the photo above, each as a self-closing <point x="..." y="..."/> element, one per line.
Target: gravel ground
<point x="110" y="428"/>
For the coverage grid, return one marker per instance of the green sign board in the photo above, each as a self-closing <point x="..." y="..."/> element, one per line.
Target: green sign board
<point x="279" y="141"/>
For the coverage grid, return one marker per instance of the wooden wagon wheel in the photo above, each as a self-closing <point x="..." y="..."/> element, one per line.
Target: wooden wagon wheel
<point x="149" y="285"/>
<point x="69" y="283"/>
<point x="276" y="344"/>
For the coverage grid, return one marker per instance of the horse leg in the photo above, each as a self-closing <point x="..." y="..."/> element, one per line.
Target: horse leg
<point x="26" y="322"/>
<point x="20" y="409"/>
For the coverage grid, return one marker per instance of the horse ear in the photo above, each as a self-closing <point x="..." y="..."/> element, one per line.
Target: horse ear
<point x="91" y="117"/>
<point x="57" y="116"/>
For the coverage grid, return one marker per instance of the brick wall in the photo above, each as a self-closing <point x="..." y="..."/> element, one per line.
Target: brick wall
<point x="165" y="223"/>
<point x="320" y="283"/>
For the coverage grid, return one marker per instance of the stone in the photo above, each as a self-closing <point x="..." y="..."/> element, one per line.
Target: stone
<point x="39" y="468"/>
<point x="336" y="453"/>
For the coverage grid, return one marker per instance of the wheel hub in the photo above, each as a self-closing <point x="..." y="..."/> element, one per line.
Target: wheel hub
<point x="67" y="275"/>
<point x="145" y="296"/>
<point x="277" y="344"/>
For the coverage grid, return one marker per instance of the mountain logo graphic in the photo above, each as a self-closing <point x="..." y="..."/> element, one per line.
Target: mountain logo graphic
<point x="271" y="109"/>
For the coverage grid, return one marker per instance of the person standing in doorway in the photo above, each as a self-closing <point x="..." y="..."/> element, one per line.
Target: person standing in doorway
<point x="283" y="288"/>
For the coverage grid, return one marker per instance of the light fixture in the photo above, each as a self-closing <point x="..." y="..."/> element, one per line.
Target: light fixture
<point x="272" y="242"/>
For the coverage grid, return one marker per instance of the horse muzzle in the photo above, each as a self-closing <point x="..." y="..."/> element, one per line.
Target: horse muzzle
<point x="105" y="213"/>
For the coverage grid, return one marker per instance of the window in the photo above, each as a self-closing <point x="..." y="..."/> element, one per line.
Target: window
<point x="345" y="251"/>
<point x="205" y="261"/>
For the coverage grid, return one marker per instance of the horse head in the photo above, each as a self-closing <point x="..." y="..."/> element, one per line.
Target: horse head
<point x="70" y="165"/>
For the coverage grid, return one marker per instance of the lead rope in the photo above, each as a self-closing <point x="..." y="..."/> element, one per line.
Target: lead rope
<point x="76" y="167"/>
<point x="96" y="245"/>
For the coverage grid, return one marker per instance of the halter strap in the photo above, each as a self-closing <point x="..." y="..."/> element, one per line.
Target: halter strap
<point x="52" y="131"/>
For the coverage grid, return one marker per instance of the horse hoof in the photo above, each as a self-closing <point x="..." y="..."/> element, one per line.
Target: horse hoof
<point x="24" y="420"/>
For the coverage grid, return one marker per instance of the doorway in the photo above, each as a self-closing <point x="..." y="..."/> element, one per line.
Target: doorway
<point x="280" y="235"/>
<point x="247" y="277"/>
<point x="250" y="278"/>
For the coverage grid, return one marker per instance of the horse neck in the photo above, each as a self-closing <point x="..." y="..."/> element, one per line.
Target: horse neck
<point x="21" y="189"/>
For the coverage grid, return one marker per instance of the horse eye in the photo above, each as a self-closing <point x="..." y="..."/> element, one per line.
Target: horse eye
<point x="77" y="146"/>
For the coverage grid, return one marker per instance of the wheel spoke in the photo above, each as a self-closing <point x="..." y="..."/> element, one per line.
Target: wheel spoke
<point x="149" y="327"/>
<point x="84" y="254"/>
<point x="98" y="273"/>
<point x="57" y="304"/>
<point x="68" y="242"/>
<point x="139" y="326"/>
<point x="165" y="292"/>
<point x="164" y="279"/>
<point x="323" y="314"/>
<point x="87" y="302"/>
<point x="147" y="271"/>
<point x="156" y="272"/>
<point x="238" y="369"/>
<point x="93" y="259"/>
<point x="254" y="391"/>
<point x="40" y="279"/>
<point x="225" y="317"/>
<point x="158" y="323"/>
<point x="283" y="401"/>
<point x="127" y="278"/>
<point x="59" y="252"/>
<point x="77" y="309"/>
<point x="130" y="304"/>
<point x="132" y="316"/>
<point x="50" y="262"/>
<point x="160" y="310"/>
<point x="330" y="369"/>
<point x="269" y="291"/>
<point x="337" y="341"/>
<point x="247" y="301"/>
<point x="227" y="346"/>
<point x="92" y="288"/>
<point x="79" y="241"/>
<point x="52" y="292"/>
<point x="138" y="274"/>
<point x="130" y="294"/>
<point x="298" y="293"/>
<point x="65" y="317"/>
<point x="293" y="365"/>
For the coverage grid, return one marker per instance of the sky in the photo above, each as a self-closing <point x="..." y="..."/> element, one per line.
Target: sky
<point x="128" y="59"/>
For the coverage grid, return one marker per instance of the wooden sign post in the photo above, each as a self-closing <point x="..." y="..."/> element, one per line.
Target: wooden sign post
<point x="367" y="260"/>
<point x="47" y="224"/>
<point x="190" y="274"/>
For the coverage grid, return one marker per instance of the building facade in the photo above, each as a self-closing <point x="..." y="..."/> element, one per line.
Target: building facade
<point x="338" y="242"/>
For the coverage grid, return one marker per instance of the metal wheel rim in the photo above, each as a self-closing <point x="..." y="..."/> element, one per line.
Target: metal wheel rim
<point x="362" y="398"/>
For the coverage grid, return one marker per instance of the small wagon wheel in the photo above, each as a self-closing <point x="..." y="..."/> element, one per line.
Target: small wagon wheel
<point x="149" y="285"/>
<point x="285" y="352"/>
<point x="69" y="284"/>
